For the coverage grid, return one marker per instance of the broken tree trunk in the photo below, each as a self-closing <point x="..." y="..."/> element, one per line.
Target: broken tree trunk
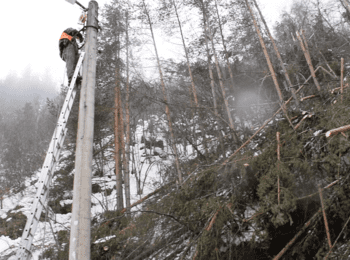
<point x="338" y="130"/>
<point x="272" y="71"/>
<point x="286" y="75"/>
<point x="306" y="52"/>
<point x="325" y="218"/>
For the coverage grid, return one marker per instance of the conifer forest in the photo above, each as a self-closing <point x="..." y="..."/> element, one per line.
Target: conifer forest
<point x="232" y="144"/>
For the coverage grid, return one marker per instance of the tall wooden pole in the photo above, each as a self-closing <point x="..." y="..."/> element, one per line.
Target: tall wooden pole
<point x="79" y="247"/>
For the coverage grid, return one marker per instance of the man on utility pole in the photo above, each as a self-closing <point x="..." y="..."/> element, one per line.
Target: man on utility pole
<point x="69" y="51"/>
<point x="79" y="247"/>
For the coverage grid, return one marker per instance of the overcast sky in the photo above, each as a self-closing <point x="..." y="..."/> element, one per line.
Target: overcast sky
<point x="31" y="30"/>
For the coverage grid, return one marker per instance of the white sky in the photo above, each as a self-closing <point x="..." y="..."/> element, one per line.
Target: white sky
<point x="31" y="30"/>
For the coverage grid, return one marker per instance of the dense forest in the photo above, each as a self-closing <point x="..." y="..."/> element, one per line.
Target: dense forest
<point x="239" y="116"/>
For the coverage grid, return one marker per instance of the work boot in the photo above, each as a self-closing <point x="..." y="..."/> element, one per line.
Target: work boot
<point x="79" y="80"/>
<point x="69" y="80"/>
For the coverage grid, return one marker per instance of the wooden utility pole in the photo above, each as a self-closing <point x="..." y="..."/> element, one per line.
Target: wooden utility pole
<point x="79" y="247"/>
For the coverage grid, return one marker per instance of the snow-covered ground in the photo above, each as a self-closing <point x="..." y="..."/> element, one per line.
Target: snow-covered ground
<point x="148" y="175"/>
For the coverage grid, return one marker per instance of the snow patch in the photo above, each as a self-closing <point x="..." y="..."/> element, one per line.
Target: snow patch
<point x="102" y="240"/>
<point x="64" y="202"/>
<point x="318" y="132"/>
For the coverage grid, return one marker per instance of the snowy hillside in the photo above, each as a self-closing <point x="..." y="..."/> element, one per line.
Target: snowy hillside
<point x="150" y="164"/>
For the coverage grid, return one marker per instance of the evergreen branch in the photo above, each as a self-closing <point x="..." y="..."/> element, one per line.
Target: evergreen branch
<point x="165" y="215"/>
<point x="147" y="196"/>
<point x="313" y="194"/>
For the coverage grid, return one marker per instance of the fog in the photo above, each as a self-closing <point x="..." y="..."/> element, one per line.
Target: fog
<point x="29" y="86"/>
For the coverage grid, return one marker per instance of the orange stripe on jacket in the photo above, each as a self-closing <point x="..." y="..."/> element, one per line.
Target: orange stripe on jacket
<point x="66" y="36"/>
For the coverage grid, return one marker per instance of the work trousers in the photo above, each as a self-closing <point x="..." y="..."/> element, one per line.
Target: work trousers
<point x="70" y="55"/>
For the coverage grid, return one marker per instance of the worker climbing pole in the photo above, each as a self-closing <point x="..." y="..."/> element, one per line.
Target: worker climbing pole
<point x="69" y="51"/>
<point x="80" y="224"/>
<point x="79" y="247"/>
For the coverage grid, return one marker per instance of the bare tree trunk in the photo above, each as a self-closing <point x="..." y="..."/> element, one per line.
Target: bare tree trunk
<point x="305" y="49"/>
<point x="194" y="92"/>
<point x="121" y="134"/>
<point x="212" y="84"/>
<point x="225" y="49"/>
<point x="210" y="36"/>
<point x="127" y="114"/>
<point x="117" y="147"/>
<point x="117" y="136"/>
<point x="165" y="97"/>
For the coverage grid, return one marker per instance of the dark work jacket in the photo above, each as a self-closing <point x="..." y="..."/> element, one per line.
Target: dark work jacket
<point x="64" y="42"/>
